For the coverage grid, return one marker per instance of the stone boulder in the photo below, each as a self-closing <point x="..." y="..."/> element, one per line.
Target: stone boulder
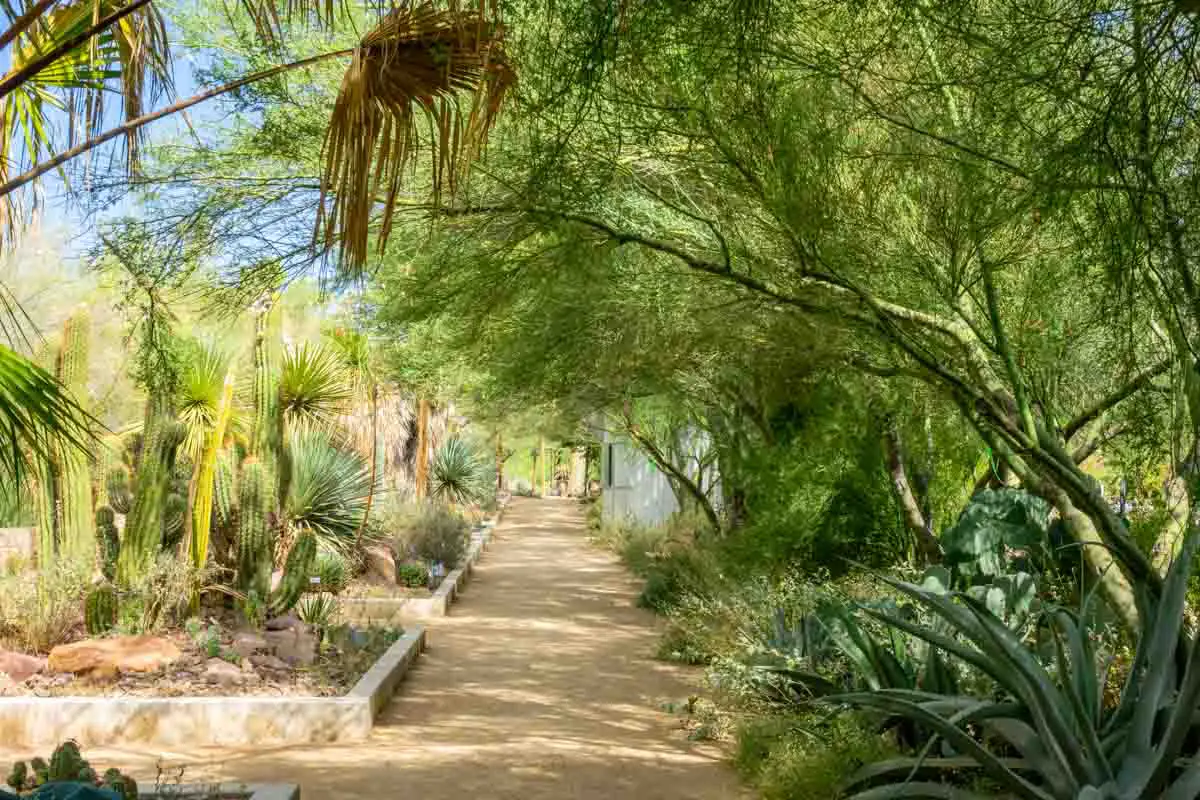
<point x="111" y="656"/>
<point x="297" y="646"/>
<point x="19" y="667"/>
<point x="287" y="622"/>
<point x="222" y="673"/>
<point x="247" y="643"/>
<point x="380" y="565"/>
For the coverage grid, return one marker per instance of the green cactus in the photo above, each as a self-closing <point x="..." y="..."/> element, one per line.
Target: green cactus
<point x="225" y="490"/>
<point x="100" y="610"/>
<point x="124" y="785"/>
<point x="117" y="486"/>
<point x="144" y="526"/>
<point x="174" y="511"/>
<point x="41" y="770"/>
<point x="76" y="534"/>
<point x="109" y="540"/>
<point x="255" y="540"/>
<point x="65" y="762"/>
<point x="296" y="572"/>
<point x="18" y="775"/>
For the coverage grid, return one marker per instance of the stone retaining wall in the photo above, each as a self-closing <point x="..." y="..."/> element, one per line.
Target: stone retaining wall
<point x="228" y="721"/>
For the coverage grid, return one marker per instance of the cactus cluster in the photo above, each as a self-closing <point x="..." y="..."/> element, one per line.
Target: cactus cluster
<point x="100" y="609"/>
<point x="296" y="573"/>
<point x="144" y="525"/>
<point x="67" y="765"/>
<point x="109" y="541"/>
<point x="255" y="536"/>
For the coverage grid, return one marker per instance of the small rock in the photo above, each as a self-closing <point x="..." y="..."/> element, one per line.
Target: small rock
<point x="268" y="661"/>
<point x="19" y="666"/>
<point x="284" y="623"/>
<point x="219" y="671"/>
<point x="247" y="643"/>
<point x="296" y="647"/>
<point x="110" y="656"/>
<point x="7" y="685"/>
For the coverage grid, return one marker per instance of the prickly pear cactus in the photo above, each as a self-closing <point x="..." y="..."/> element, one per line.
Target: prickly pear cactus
<point x="296" y="572"/>
<point x="100" y="610"/>
<point x="255" y="540"/>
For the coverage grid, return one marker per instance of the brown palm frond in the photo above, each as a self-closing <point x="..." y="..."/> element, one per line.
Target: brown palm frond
<point x="269" y="21"/>
<point x="447" y="64"/>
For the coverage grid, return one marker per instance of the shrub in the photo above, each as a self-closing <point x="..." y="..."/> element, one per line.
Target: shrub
<point x="810" y="756"/>
<point x="457" y="474"/>
<point x="414" y="576"/>
<point x="331" y="568"/>
<point x="160" y="594"/>
<point x="438" y="534"/>
<point x="41" y="610"/>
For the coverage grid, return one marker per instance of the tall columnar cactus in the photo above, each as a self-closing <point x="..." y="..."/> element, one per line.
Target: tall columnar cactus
<point x="76" y="536"/>
<point x="118" y="489"/>
<point x="255" y="539"/>
<point x="100" y="609"/>
<point x="204" y="483"/>
<point x="109" y="541"/>
<point x="144" y="525"/>
<point x="174" y="512"/>
<point x="301" y="561"/>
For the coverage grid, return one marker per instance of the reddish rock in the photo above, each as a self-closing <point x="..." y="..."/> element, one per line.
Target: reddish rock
<point x="380" y="565"/>
<point x="18" y="666"/>
<point x="111" y="656"/>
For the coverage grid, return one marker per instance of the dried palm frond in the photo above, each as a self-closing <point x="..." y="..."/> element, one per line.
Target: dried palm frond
<point x="447" y="64"/>
<point x="269" y="22"/>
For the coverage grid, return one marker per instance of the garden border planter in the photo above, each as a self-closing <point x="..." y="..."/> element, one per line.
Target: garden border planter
<point x="225" y="721"/>
<point x="203" y="791"/>
<point x="372" y="610"/>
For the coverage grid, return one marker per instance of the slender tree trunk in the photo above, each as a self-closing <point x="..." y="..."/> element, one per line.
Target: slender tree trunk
<point x="542" y="459"/>
<point x="499" y="462"/>
<point x="362" y="526"/>
<point x="679" y="480"/>
<point x="421" y="467"/>
<point x="929" y="549"/>
<point x="1171" y="539"/>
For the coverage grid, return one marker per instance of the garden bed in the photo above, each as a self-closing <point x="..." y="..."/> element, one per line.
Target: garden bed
<point x="227" y="720"/>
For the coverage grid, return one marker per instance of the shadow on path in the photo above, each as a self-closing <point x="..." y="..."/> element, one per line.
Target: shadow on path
<point x="540" y="684"/>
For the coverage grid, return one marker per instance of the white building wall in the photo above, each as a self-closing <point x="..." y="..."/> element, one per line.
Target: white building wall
<point x="633" y="486"/>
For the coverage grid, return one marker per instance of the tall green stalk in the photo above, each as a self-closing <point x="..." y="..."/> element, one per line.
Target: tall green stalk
<point x="77" y="535"/>
<point x="144" y="525"/>
<point x="204" y="479"/>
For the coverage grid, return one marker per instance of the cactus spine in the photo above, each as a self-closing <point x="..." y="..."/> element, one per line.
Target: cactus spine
<point x="255" y="542"/>
<point x="100" y="610"/>
<point x="296" y="572"/>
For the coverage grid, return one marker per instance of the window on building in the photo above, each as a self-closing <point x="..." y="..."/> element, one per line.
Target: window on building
<point x="608" y="467"/>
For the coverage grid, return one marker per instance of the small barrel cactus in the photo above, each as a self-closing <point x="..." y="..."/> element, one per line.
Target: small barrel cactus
<point x="100" y="610"/>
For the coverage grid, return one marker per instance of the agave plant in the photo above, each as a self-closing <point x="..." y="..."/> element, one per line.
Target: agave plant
<point x="1047" y="733"/>
<point x="457" y="474"/>
<point x="328" y="490"/>
<point x="313" y="387"/>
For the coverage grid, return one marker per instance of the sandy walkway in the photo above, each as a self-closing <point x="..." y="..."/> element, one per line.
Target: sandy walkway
<point x="541" y="684"/>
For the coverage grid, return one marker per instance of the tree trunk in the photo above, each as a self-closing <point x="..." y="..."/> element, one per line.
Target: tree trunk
<point x="1173" y="534"/>
<point x="680" y="482"/>
<point x="929" y="549"/>
<point x="499" y="462"/>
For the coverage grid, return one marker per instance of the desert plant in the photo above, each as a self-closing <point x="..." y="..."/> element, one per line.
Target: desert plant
<point x="255" y="538"/>
<point x="143" y="535"/>
<point x="39" y="610"/>
<point x="52" y="779"/>
<point x="457" y="474"/>
<point x="297" y="571"/>
<point x="332" y="571"/>
<point x="1070" y="743"/>
<point x="437" y="535"/>
<point x="109" y="541"/>
<point x="412" y="576"/>
<point x="318" y="610"/>
<point x="328" y="490"/>
<point x="159" y="594"/>
<point x="100" y="609"/>
<point x="313" y="387"/>
<point x="118" y="489"/>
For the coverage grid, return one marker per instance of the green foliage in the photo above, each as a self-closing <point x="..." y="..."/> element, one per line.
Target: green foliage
<point x="109" y="541"/>
<point x="41" y="609"/>
<point x="297" y="570"/>
<point x="412" y="575"/>
<point x="159" y="595"/>
<point x="256" y="528"/>
<point x="313" y="387"/>
<point x="995" y="525"/>
<point x="437" y="535"/>
<point x="143" y="536"/>
<point x="119" y="489"/>
<point x="100" y="609"/>
<point x="74" y="489"/>
<point x="457" y="474"/>
<point x="318" y="610"/>
<point x="1070" y="742"/>
<point x="333" y="571"/>
<point x="174" y="512"/>
<point x="328" y="490"/>
<point x="51" y="779"/>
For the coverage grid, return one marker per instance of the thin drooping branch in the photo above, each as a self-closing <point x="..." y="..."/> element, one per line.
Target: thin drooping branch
<point x="672" y="472"/>
<point x="23" y="22"/>
<point x="1139" y="382"/>
<point x="134" y="124"/>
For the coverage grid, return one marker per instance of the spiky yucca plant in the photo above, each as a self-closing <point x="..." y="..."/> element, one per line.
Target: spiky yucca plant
<point x="328" y="492"/>
<point x="1068" y="743"/>
<point x="457" y="474"/>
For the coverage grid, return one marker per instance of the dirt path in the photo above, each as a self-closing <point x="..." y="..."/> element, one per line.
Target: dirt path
<point x="541" y="684"/>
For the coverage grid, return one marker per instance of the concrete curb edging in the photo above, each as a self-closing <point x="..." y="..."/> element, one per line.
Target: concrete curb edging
<point x="203" y="791"/>
<point x="369" y="610"/>
<point x="226" y="721"/>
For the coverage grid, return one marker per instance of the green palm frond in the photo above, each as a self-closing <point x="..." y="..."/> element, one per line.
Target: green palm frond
<point x="313" y="387"/>
<point x="457" y="474"/>
<point x="38" y="416"/>
<point x="328" y="490"/>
